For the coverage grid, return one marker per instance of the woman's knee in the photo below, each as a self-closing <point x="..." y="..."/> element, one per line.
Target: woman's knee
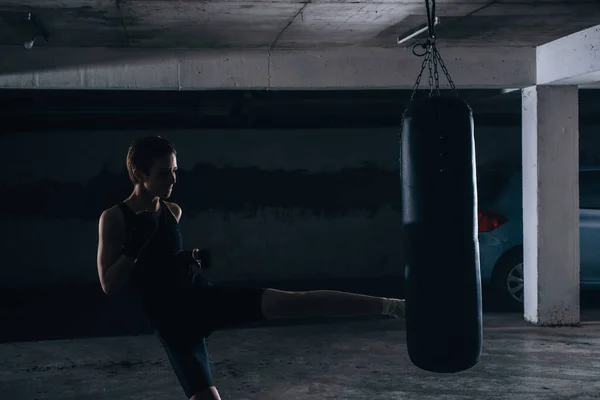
<point x="281" y="304"/>
<point x="209" y="393"/>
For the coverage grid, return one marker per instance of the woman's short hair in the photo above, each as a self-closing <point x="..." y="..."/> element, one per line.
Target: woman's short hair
<point x="143" y="151"/>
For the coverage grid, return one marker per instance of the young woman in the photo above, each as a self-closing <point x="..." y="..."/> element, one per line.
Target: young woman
<point x="140" y="248"/>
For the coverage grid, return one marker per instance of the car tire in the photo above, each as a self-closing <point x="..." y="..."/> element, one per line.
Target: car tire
<point x="507" y="281"/>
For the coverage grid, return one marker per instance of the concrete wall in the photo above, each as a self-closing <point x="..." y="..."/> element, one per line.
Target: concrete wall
<point x="269" y="204"/>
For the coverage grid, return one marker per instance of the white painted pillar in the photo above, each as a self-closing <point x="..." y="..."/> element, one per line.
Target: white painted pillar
<point x="551" y="204"/>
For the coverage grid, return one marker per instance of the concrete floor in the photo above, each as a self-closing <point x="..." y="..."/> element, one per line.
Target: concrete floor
<point x="76" y="343"/>
<point x="327" y="359"/>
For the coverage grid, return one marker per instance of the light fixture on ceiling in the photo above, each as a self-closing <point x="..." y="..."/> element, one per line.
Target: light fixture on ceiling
<point x="29" y="44"/>
<point x="38" y="31"/>
<point x="417" y="32"/>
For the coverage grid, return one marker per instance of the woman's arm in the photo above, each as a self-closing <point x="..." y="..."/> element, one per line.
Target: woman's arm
<point x="114" y="268"/>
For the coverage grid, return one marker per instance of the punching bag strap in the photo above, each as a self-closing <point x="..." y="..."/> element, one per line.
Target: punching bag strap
<point x="432" y="57"/>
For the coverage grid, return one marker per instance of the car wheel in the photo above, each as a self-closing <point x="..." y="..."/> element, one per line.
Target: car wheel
<point x="508" y="282"/>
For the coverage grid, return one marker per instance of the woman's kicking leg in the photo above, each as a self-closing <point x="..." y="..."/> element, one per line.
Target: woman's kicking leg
<point x="327" y="303"/>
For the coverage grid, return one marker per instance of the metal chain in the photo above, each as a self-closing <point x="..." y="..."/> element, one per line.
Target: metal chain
<point x="430" y="73"/>
<point x="439" y="57"/>
<point x="435" y="73"/>
<point x="432" y="58"/>
<point x="423" y="65"/>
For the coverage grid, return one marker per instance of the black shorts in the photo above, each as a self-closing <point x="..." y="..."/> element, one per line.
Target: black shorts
<point x="184" y="330"/>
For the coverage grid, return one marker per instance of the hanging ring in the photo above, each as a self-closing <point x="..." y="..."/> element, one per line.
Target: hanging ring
<point x="423" y="45"/>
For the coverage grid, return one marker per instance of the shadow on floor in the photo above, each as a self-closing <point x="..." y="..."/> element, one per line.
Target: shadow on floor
<point x="78" y="311"/>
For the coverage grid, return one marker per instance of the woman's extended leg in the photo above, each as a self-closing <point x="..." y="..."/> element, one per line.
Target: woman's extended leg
<point x="327" y="303"/>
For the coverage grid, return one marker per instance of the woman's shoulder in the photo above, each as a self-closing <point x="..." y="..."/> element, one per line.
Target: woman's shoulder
<point x="113" y="216"/>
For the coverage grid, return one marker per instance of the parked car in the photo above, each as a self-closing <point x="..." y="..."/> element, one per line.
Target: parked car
<point x="501" y="233"/>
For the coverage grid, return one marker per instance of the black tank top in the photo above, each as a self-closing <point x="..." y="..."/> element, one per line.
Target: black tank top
<point x="157" y="278"/>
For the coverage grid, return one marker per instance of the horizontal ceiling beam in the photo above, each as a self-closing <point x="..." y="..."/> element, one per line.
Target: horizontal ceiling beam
<point x="332" y="68"/>
<point x="572" y="60"/>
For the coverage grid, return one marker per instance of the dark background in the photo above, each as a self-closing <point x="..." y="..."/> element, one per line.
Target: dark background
<point x="296" y="190"/>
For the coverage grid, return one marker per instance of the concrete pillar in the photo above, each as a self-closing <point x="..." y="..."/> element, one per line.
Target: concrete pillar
<point x="551" y="204"/>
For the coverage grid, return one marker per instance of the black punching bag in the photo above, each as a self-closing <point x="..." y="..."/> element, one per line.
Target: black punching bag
<point x="444" y="330"/>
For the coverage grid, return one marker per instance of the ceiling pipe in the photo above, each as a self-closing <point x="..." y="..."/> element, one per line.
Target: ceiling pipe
<point x="417" y="32"/>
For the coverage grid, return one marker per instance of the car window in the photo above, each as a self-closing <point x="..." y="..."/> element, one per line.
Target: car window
<point x="589" y="189"/>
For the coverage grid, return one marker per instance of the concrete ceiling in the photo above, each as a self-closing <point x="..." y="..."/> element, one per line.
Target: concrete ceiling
<point x="293" y="24"/>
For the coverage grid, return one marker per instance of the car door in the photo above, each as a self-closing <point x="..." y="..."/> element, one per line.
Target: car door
<point x="589" y="226"/>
